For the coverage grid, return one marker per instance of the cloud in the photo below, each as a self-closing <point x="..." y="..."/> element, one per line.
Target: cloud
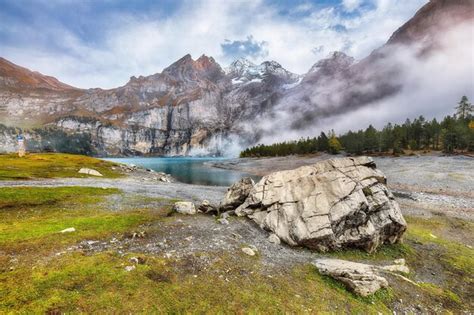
<point x="351" y="5"/>
<point x="428" y="85"/>
<point x="102" y="44"/>
<point x="245" y="48"/>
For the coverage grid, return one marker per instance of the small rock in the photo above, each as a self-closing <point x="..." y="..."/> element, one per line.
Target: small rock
<point x="206" y="207"/>
<point x="129" y="268"/>
<point x="189" y="238"/>
<point x="400" y="261"/>
<point x="184" y="207"/>
<point x="89" y="171"/>
<point x="223" y="221"/>
<point x="248" y="251"/>
<point x="138" y="260"/>
<point x="396" y="268"/>
<point x="68" y="230"/>
<point x="274" y="239"/>
<point x="235" y="235"/>
<point x="253" y="247"/>
<point x="227" y="214"/>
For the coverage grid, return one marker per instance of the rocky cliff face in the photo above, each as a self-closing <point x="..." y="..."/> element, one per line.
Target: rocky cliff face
<point x="197" y="107"/>
<point x="192" y="107"/>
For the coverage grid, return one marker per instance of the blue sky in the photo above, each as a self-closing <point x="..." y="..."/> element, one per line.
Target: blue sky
<point x="101" y="43"/>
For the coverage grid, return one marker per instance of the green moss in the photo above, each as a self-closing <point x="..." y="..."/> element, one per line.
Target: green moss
<point x="25" y="197"/>
<point x="99" y="283"/>
<point x="32" y="217"/>
<point x="440" y="292"/>
<point x="457" y="255"/>
<point x="53" y="165"/>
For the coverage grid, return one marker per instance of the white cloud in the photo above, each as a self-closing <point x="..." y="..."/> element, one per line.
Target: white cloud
<point x="145" y="44"/>
<point x="431" y="85"/>
<point x="351" y="5"/>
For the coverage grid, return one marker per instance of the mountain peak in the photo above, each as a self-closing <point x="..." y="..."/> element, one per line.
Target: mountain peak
<point x="435" y="17"/>
<point x="12" y="75"/>
<point x="243" y="71"/>
<point x="205" y="62"/>
<point x="335" y="61"/>
<point x="188" y="69"/>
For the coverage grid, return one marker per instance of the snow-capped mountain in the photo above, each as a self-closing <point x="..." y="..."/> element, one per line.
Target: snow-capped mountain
<point x="196" y="107"/>
<point x="245" y="71"/>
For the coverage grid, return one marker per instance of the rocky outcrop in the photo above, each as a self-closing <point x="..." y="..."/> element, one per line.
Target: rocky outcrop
<point x="333" y="204"/>
<point x="237" y="194"/>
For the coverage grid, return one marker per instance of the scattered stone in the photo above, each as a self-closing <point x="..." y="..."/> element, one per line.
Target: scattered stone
<point x="248" y="251"/>
<point x="237" y="193"/>
<point x="130" y="268"/>
<point x="396" y="268"/>
<point x="68" y="230"/>
<point x="274" y="239"/>
<point x="89" y="171"/>
<point x="165" y="179"/>
<point x="400" y="261"/>
<point x="206" y="207"/>
<point x="332" y="204"/>
<point x="359" y="278"/>
<point x="184" y="207"/>
<point x="138" y="260"/>
<point x="223" y="221"/>
<point x="235" y="235"/>
<point x="227" y="214"/>
<point x="254" y="248"/>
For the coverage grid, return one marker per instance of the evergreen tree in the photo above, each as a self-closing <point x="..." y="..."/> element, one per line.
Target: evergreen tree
<point x="387" y="138"/>
<point x="453" y="133"/>
<point x="464" y="108"/>
<point x="371" y="139"/>
<point x="323" y="143"/>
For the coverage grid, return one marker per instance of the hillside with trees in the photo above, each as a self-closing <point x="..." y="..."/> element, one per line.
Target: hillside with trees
<point x="452" y="134"/>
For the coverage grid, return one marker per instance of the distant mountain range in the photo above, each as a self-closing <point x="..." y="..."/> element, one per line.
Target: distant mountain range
<point x="196" y="107"/>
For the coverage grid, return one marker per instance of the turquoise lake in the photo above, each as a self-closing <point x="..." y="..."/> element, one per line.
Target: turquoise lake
<point x="188" y="170"/>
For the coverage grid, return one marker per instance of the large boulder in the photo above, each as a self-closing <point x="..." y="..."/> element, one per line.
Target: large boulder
<point x="333" y="204"/>
<point x="237" y="194"/>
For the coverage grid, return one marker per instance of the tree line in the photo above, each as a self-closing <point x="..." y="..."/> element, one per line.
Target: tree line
<point x="453" y="133"/>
